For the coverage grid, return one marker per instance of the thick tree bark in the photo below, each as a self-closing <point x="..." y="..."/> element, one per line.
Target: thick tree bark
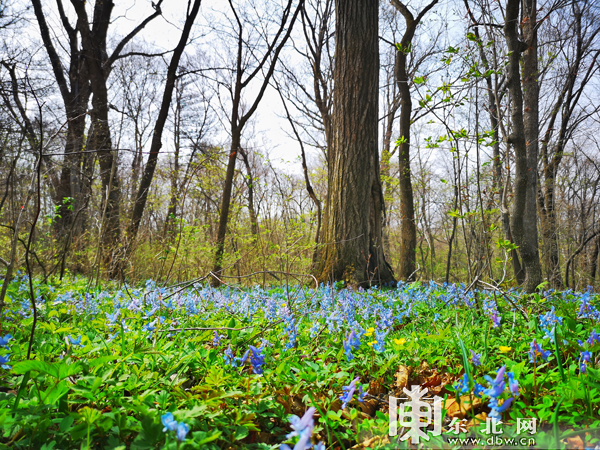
<point x="352" y="223"/>
<point x="524" y="136"/>
<point x="73" y="188"/>
<point x="408" y="226"/>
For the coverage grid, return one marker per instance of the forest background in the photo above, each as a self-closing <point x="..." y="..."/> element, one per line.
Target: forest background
<point x="141" y="141"/>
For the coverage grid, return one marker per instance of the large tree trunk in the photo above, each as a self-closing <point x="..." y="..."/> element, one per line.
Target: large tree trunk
<point x="524" y="137"/>
<point x="352" y="234"/>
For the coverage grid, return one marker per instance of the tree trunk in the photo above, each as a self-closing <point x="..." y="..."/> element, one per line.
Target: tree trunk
<point x="524" y="137"/>
<point x="352" y="234"/>
<point x="408" y="226"/>
<point x="225" y="204"/>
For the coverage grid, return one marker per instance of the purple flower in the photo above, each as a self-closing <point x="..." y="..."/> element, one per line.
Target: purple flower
<point x="496" y="319"/>
<point x="536" y="349"/>
<point x="300" y="424"/>
<point x="475" y="358"/>
<point x="216" y="339"/>
<point x="349" y="392"/>
<point x="257" y="359"/>
<point x="169" y="422"/>
<point x="496" y="410"/>
<point x="497" y="385"/>
<point x="584" y="359"/>
<point x="182" y="431"/>
<point x="302" y="427"/>
<point x="361" y="394"/>
<point x="230" y="360"/>
<point x="513" y="384"/>
<point x="594" y="337"/>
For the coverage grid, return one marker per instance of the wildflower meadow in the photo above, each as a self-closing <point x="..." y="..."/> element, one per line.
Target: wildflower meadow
<point x="192" y="367"/>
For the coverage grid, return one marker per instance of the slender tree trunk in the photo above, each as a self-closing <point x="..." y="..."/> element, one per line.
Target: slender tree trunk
<point x="352" y="223"/>
<point x="250" y="184"/>
<point x="225" y="204"/>
<point x="408" y="226"/>
<point x="163" y="114"/>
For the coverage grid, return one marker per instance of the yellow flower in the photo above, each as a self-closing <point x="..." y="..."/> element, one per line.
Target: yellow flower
<point x="370" y="331"/>
<point x="371" y="344"/>
<point x="401" y="341"/>
<point x="504" y="349"/>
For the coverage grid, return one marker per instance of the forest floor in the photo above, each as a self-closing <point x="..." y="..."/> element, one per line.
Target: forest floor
<point x="146" y="367"/>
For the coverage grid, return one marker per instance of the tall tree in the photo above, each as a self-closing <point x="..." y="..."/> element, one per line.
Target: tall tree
<point x="408" y="226"/>
<point x="73" y="186"/>
<point x="142" y="195"/>
<point x="99" y="63"/>
<point x="352" y="227"/>
<point x="578" y="67"/>
<point x="239" y="116"/>
<point x="524" y="94"/>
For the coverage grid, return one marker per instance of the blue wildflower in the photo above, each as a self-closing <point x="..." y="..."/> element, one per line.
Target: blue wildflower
<point x="496" y="410"/>
<point x="463" y="385"/>
<point x="4" y="341"/>
<point x="536" y="349"/>
<point x="74" y="341"/>
<point x="361" y="394"/>
<point x="150" y="326"/>
<point x="169" y="422"/>
<point x="478" y="390"/>
<point x="182" y="431"/>
<point x="594" y="337"/>
<point x="3" y="361"/>
<point x="497" y="385"/>
<point x="513" y="385"/>
<point x="230" y="360"/>
<point x="496" y="319"/>
<point x="216" y="339"/>
<point x="300" y="424"/>
<point x="475" y="358"/>
<point x="257" y="359"/>
<point x="584" y="360"/>
<point x="349" y="392"/>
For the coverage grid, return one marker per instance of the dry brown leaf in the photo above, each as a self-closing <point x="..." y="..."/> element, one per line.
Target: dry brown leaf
<point x="477" y="420"/>
<point x="402" y="377"/>
<point x="369" y="407"/>
<point x="462" y="408"/>
<point x="575" y="443"/>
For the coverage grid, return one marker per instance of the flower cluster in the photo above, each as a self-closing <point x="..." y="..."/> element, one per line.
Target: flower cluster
<point x="349" y="390"/>
<point x="170" y="424"/>
<point x="352" y="342"/>
<point x="496" y="389"/>
<point x="535" y="350"/>
<point x="303" y="428"/>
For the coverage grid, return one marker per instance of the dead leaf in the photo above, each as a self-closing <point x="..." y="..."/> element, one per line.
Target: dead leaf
<point x="477" y="420"/>
<point x="402" y="378"/>
<point x="462" y="408"/>
<point x="369" y="407"/>
<point x="575" y="443"/>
